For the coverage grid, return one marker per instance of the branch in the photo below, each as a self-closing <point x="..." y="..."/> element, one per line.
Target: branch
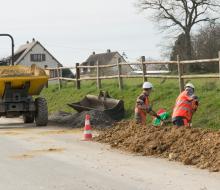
<point x="182" y="13"/>
<point x="170" y="16"/>
<point x="203" y="20"/>
<point x="193" y="10"/>
<point x="185" y="8"/>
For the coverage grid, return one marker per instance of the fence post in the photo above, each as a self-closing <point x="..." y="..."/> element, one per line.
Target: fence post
<point x="219" y="63"/>
<point x="120" y="81"/>
<point x="98" y="80"/>
<point x="77" y="76"/>
<point x="47" y="84"/>
<point x="180" y="72"/>
<point x="61" y="77"/>
<point x="144" y="68"/>
<point x="47" y="71"/>
<point x="58" y="75"/>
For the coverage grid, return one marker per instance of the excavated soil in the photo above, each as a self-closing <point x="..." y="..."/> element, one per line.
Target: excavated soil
<point x="98" y="119"/>
<point x="194" y="146"/>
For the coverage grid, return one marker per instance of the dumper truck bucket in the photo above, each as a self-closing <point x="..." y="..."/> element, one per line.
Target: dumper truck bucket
<point x="112" y="107"/>
<point x="17" y="76"/>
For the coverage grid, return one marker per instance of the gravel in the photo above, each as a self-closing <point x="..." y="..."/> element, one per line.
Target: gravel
<point x="98" y="119"/>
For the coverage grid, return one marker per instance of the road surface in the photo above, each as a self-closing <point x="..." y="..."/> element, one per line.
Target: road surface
<point x="51" y="158"/>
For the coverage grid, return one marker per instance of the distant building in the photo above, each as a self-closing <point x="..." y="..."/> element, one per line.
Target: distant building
<point x="107" y="58"/>
<point x="151" y="69"/>
<point x="35" y="53"/>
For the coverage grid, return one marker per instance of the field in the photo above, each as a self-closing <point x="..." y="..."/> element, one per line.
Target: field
<point x="163" y="96"/>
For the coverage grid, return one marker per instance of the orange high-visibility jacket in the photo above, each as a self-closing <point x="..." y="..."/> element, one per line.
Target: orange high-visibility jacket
<point x="143" y="100"/>
<point x="141" y="108"/>
<point x="184" y="106"/>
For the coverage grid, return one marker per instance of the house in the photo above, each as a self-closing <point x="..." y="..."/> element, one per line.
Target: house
<point x="151" y="69"/>
<point x="107" y="58"/>
<point x="35" y="53"/>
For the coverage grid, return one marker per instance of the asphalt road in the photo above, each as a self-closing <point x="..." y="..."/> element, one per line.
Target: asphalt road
<point x="56" y="158"/>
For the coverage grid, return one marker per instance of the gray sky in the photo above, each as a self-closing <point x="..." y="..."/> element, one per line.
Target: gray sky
<point x="72" y="29"/>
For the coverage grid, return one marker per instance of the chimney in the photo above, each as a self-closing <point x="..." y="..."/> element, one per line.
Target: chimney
<point x="93" y="53"/>
<point x="108" y="51"/>
<point x="33" y="40"/>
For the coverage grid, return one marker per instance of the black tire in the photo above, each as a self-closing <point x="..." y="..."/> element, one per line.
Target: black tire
<point x="28" y="117"/>
<point x="41" y="114"/>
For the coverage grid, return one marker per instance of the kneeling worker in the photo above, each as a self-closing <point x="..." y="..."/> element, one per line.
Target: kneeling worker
<point x="143" y="107"/>
<point x="186" y="105"/>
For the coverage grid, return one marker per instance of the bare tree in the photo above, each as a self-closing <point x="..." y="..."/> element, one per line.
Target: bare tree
<point x="206" y="44"/>
<point x="182" y="15"/>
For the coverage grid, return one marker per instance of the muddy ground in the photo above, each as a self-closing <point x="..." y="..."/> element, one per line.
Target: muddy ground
<point x="194" y="146"/>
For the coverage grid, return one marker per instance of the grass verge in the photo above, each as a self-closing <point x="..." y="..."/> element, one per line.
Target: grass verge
<point x="163" y="96"/>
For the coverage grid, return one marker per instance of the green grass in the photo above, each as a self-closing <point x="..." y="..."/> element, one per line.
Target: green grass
<point x="163" y="96"/>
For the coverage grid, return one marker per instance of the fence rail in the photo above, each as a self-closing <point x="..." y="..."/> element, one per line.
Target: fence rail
<point x="180" y="76"/>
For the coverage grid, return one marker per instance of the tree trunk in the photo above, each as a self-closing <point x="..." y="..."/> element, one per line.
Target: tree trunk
<point x="188" y="51"/>
<point x="188" y="46"/>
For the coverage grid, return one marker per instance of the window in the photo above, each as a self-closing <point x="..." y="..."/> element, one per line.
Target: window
<point x="38" y="57"/>
<point x="43" y="57"/>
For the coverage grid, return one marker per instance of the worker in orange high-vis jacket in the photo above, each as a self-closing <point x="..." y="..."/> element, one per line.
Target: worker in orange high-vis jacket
<point x="142" y="107"/>
<point x="186" y="105"/>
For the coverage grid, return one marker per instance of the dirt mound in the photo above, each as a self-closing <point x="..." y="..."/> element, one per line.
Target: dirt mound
<point x="194" y="146"/>
<point x="98" y="119"/>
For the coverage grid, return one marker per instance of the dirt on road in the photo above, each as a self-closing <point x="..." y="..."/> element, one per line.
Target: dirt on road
<point x="194" y="146"/>
<point x="33" y="153"/>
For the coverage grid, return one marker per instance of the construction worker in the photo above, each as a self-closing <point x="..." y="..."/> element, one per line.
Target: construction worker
<point x="186" y="105"/>
<point x="143" y="105"/>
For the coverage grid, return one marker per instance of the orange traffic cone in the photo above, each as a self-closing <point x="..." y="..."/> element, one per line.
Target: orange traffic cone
<point x="87" y="129"/>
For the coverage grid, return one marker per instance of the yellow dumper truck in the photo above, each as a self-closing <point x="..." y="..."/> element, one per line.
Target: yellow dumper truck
<point x="18" y="85"/>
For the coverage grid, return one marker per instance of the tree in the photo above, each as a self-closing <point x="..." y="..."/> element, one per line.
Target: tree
<point x="177" y="49"/>
<point x="206" y="45"/>
<point x="181" y="15"/>
<point x="206" y="42"/>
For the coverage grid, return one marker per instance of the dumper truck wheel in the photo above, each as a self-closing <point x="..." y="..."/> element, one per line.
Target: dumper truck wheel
<point x="28" y="117"/>
<point x="41" y="114"/>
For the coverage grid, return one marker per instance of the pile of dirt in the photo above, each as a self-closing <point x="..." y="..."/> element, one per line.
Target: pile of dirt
<point x="98" y="119"/>
<point x="194" y="146"/>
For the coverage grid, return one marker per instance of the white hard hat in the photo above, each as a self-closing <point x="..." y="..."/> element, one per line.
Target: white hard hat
<point x="147" y="85"/>
<point x="190" y="85"/>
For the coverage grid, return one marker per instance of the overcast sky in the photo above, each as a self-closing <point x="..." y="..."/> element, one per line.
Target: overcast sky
<point x="72" y="29"/>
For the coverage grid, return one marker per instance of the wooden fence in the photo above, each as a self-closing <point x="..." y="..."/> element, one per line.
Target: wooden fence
<point x="180" y="76"/>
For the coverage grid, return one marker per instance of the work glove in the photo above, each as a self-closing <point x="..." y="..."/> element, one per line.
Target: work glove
<point x="195" y="97"/>
<point x="158" y="117"/>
